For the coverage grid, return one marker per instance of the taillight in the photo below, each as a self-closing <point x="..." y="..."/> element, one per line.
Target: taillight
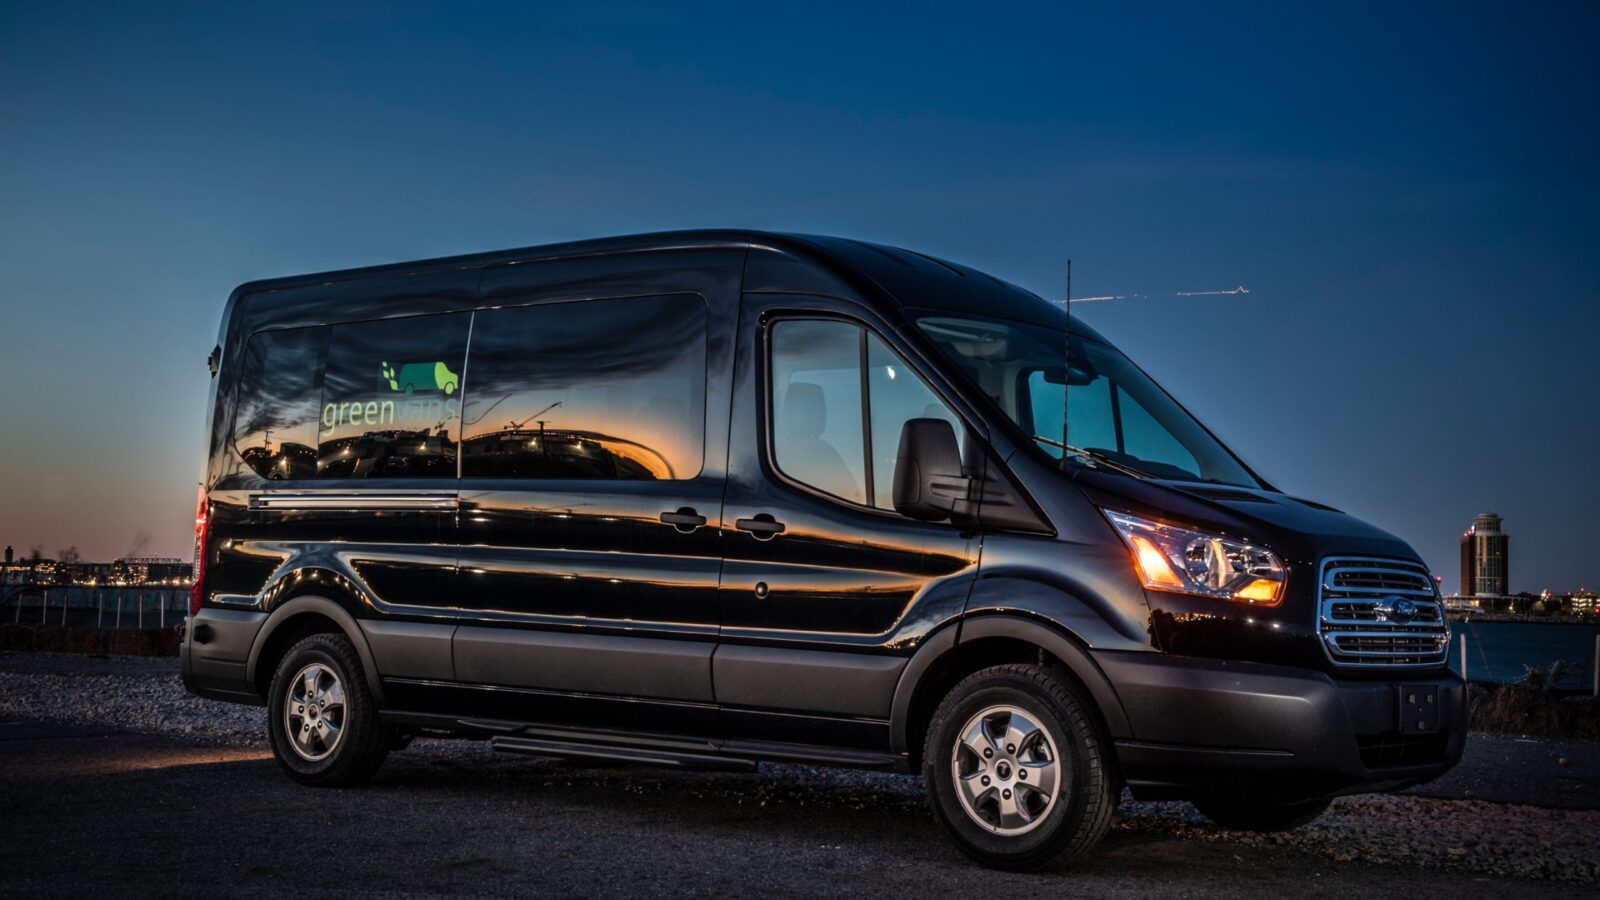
<point x="202" y="532"/>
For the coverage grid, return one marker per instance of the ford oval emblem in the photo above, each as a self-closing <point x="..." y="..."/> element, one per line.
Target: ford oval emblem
<point x="1400" y="609"/>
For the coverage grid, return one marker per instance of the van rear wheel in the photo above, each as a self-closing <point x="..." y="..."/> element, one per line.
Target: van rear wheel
<point x="321" y="719"/>
<point x="1016" y="769"/>
<point x="1261" y="816"/>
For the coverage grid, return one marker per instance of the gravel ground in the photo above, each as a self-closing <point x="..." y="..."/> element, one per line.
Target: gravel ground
<point x="1469" y="836"/>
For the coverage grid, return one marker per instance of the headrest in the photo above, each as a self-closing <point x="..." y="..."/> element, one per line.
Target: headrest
<point x="805" y="412"/>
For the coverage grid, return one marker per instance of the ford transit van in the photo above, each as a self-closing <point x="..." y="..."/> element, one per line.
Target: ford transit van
<point x="708" y="499"/>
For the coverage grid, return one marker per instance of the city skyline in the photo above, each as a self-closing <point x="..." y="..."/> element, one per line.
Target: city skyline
<point x="1414" y="224"/>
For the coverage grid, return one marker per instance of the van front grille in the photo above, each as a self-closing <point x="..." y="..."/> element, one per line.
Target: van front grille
<point x="1380" y="612"/>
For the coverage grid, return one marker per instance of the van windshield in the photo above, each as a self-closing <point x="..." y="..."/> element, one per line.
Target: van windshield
<point x="1121" y="420"/>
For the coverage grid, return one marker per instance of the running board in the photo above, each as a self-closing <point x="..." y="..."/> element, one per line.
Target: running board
<point x="635" y="747"/>
<point x="653" y="756"/>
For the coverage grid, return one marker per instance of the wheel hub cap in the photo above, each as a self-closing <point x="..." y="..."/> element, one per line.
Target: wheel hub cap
<point x="1007" y="770"/>
<point x="314" y="712"/>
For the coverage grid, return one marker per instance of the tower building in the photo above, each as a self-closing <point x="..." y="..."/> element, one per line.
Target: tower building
<point x="1485" y="558"/>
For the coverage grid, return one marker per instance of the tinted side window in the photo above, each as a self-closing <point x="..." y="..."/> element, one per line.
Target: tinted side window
<point x="275" y="421"/>
<point x="817" y="435"/>
<point x="391" y="398"/>
<point x="601" y="389"/>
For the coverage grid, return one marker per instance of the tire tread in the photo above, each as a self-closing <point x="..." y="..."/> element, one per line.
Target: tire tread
<point x="367" y="741"/>
<point x="1098" y="792"/>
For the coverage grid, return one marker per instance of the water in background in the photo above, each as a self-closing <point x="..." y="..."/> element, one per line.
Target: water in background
<point x="1497" y="651"/>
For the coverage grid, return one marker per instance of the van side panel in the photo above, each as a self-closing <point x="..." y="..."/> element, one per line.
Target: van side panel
<point x="576" y="585"/>
<point x="819" y="620"/>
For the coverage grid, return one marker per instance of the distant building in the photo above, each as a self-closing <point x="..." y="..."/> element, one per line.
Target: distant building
<point x="29" y="571"/>
<point x="1485" y="558"/>
<point x="1580" y="603"/>
<point x="149" y="571"/>
<point x="1458" y="603"/>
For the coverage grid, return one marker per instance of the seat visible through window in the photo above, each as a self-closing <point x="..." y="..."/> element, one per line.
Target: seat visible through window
<point x="806" y="454"/>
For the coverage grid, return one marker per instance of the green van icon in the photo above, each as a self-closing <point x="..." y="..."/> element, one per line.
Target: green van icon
<point x="429" y="376"/>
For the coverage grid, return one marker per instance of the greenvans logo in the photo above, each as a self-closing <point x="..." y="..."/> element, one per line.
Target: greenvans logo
<point x="407" y="414"/>
<point x="413" y="377"/>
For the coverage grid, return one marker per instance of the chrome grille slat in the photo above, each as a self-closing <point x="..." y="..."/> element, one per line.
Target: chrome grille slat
<point x="1353" y="597"/>
<point x="1377" y="592"/>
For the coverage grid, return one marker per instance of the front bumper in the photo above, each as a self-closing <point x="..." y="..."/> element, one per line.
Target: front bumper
<point x="1217" y="728"/>
<point x="214" y="654"/>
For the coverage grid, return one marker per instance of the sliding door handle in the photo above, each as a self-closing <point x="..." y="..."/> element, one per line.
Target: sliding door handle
<point x="685" y="520"/>
<point x="762" y="527"/>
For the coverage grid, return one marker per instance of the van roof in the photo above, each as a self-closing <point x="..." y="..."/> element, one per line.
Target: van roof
<point x="890" y="276"/>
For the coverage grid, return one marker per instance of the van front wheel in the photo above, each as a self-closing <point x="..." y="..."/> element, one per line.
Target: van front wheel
<point x="321" y="719"/>
<point x="1016" y="769"/>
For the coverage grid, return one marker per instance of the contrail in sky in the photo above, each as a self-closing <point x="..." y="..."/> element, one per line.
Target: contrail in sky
<point x="1241" y="289"/>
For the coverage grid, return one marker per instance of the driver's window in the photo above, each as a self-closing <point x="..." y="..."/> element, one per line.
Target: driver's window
<point x="817" y="438"/>
<point x="821" y="372"/>
<point x="896" y="395"/>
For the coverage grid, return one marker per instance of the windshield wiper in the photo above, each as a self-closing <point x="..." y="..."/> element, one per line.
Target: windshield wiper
<point x="1094" y="456"/>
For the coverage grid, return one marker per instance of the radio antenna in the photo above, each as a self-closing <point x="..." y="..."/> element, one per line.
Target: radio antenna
<point x="1066" y="371"/>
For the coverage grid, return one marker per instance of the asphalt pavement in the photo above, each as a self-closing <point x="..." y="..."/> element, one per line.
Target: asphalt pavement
<point x="104" y="809"/>
<point x="96" y="812"/>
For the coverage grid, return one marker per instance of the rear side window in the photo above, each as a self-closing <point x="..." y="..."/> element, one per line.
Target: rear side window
<point x="596" y="389"/>
<point x="275" y="424"/>
<point x="391" y="398"/>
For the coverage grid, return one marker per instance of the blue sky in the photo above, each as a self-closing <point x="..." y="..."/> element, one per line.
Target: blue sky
<point x="1408" y="191"/>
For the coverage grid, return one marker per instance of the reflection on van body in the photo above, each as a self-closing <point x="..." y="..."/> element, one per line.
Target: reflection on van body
<point x="287" y="460"/>
<point x="376" y="454"/>
<point x="560" y="454"/>
<point x="712" y="498"/>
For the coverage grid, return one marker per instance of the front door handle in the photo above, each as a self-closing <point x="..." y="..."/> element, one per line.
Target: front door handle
<point x="762" y="526"/>
<point x="685" y="520"/>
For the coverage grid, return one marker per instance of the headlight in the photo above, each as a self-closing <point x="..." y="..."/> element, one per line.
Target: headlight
<point x="1170" y="558"/>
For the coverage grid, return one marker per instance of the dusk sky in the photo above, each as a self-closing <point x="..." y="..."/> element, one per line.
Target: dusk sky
<point x="1409" y="191"/>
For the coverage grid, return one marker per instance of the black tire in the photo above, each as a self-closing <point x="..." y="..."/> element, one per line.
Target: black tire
<point x="363" y="743"/>
<point x="1261" y="816"/>
<point x="1070" y="825"/>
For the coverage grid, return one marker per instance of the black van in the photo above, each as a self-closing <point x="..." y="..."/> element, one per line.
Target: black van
<point x="705" y="499"/>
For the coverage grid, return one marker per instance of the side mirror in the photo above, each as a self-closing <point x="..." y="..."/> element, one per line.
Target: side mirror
<point x="928" y="482"/>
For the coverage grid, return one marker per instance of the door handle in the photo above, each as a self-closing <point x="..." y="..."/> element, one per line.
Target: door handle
<point x="685" y="520"/>
<point x="762" y="526"/>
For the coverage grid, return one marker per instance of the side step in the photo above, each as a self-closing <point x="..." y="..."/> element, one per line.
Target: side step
<point x="654" y="756"/>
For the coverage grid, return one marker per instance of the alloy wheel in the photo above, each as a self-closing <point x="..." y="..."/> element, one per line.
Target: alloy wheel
<point x="1007" y="770"/>
<point x="314" y="712"/>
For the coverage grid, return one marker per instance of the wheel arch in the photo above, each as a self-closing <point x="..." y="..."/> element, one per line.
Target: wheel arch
<point x="300" y="617"/>
<point x="963" y="647"/>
